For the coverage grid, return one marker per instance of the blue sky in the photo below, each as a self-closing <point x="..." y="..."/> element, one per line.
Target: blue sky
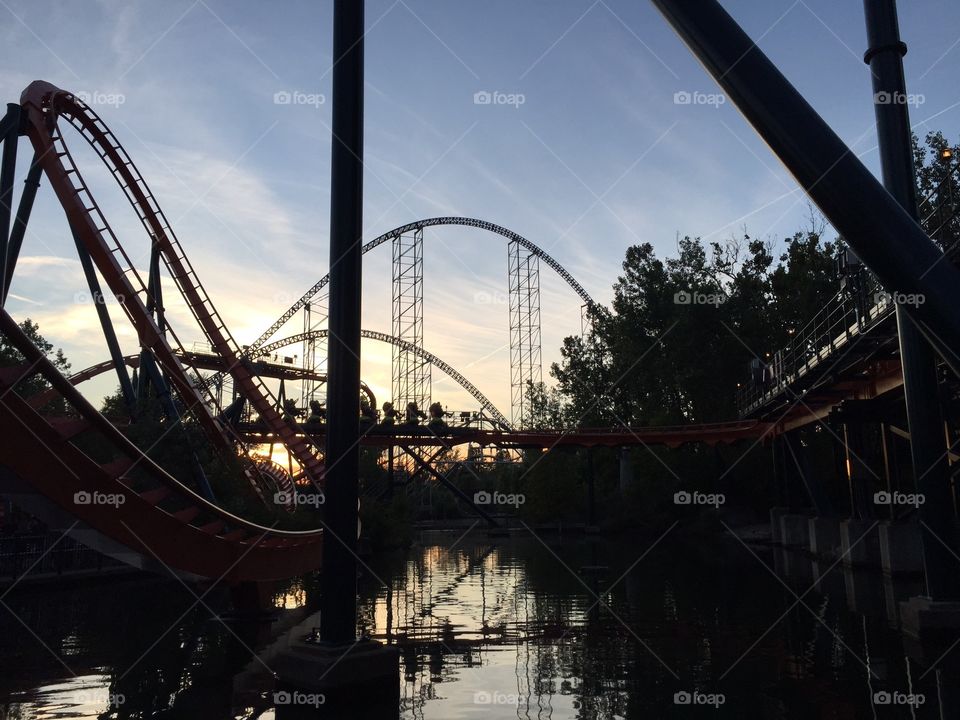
<point x="598" y="156"/>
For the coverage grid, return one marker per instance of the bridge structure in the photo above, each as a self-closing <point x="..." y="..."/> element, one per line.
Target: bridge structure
<point x="843" y="368"/>
<point x="60" y="450"/>
<point x="849" y="349"/>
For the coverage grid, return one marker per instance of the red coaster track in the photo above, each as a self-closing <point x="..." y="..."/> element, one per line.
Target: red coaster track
<point x="150" y="512"/>
<point x="44" y="106"/>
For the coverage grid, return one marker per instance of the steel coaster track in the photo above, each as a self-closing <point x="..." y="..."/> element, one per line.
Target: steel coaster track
<point x="159" y="517"/>
<point x="251" y="350"/>
<point x="133" y="361"/>
<point x="484" y="401"/>
<point x="44" y="105"/>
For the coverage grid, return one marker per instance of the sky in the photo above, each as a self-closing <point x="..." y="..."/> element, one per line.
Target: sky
<point x="586" y="149"/>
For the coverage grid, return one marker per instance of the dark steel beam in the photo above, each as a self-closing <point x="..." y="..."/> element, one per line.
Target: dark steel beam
<point x="339" y="600"/>
<point x="106" y="325"/>
<point x="920" y="382"/>
<point x="10" y="136"/>
<point x="25" y="207"/>
<point x="426" y="467"/>
<point x="881" y="232"/>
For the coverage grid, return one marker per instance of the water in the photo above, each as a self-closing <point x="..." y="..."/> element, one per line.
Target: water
<point x="533" y="626"/>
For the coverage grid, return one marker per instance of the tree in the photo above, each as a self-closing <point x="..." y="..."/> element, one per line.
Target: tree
<point x="937" y="188"/>
<point x="35" y="384"/>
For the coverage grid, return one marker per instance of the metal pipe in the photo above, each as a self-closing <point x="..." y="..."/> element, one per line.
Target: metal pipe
<point x="920" y="382"/>
<point x="339" y="600"/>
<point x="881" y="232"/>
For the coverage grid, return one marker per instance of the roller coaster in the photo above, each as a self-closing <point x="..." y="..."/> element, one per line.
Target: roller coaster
<point x="168" y="520"/>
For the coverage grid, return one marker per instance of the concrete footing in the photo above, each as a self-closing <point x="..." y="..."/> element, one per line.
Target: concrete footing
<point x="318" y="680"/>
<point x="776" y="529"/>
<point x="795" y="531"/>
<point x="930" y="631"/>
<point x="864" y="591"/>
<point x="922" y="616"/>
<point x="860" y="543"/>
<point x="824" y="537"/>
<point x="901" y="552"/>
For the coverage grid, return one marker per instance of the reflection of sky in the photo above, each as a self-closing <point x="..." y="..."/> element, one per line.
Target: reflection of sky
<point x="84" y="696"/>
<point x="597" y="158"/>
<point x="692" y="613"/>
<point x="467" y="595"/>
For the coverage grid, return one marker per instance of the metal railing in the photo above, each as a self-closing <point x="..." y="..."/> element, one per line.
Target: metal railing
<point x="47" y="554"/>
<point x="849" y="313"/>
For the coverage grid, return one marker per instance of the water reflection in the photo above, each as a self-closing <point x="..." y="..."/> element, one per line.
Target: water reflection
<point x="523" y="627"/>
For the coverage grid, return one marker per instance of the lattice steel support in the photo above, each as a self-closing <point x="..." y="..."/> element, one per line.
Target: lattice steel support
<point x="411" y="373"/>
<point x="526" y="367"/>
<point x="314" y="351"/>
<point x="586" y="321"/>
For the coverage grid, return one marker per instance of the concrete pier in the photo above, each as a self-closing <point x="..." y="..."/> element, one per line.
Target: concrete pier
<point x="776" y="529"/>
<point x="860" y="543"/>
<point x="900" y="549"/>
<point x="824" y="536"/>
<point x="795" y="531"/>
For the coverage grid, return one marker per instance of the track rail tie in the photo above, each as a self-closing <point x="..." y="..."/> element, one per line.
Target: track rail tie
<point x="69" y="428"/>
<point x="155" y="497"/>
<point x="213" y="528"/>
<point x="117" y="468"/>
<point x="187" y="514"/>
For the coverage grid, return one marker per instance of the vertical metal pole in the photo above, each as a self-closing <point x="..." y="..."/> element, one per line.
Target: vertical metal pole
<point x="882" y="233"/>
<point x="920" y="382"/>
<point x="339" y="600"/>
<point x="390" y="478"/>
<point x="778" y="484"/>
<point x="591" y="491"/>
<point x="8" y="168"/>
<point x="887" y="472"/>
